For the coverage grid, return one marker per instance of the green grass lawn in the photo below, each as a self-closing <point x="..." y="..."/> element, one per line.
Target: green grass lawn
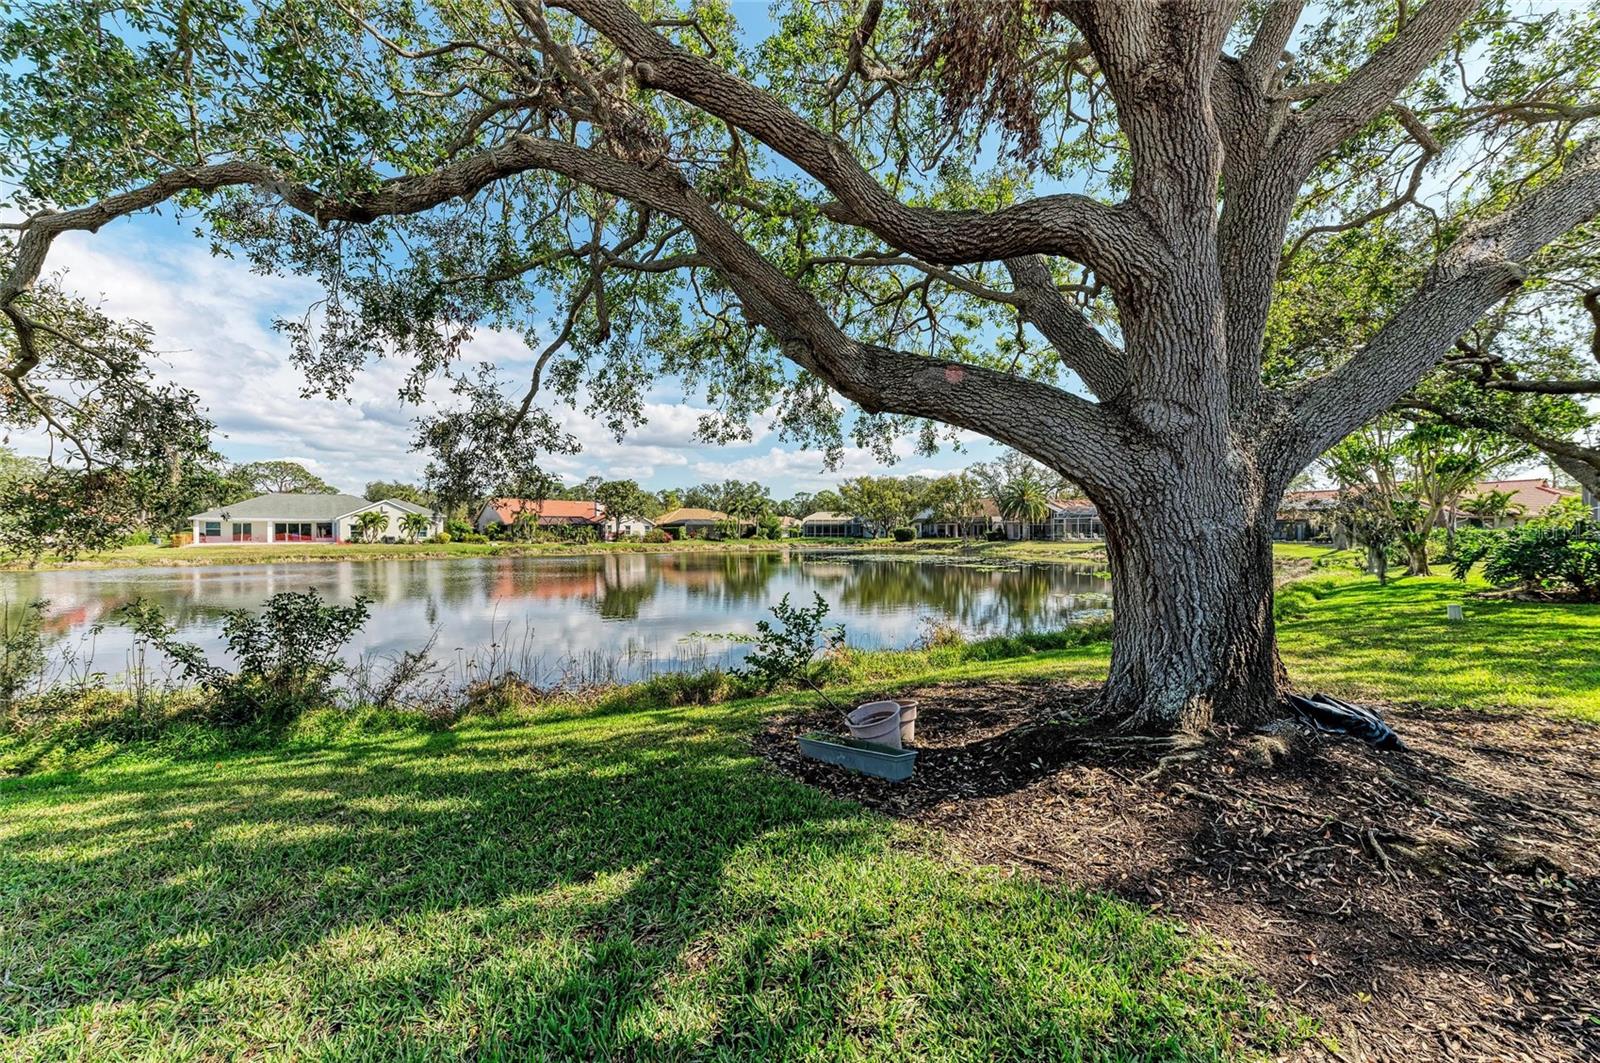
<point x="621" y="879"/>
<point x="1363" y="640"/>
<point x="590" y="884"/>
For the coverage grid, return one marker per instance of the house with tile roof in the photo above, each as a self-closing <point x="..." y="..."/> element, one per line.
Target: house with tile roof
<point x="824" y="524"/>
<point x="544" y="512"/>
<point x="690" y="522"/>
<point x="304" y="518"/>
<point x="1304" y="515"/>
<point x="1531" y="496"/>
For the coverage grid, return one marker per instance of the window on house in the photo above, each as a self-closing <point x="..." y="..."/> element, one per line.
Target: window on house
<point x="325" y="530"/>
<point x="213" y="527"/>
<point x="242" y="530"/>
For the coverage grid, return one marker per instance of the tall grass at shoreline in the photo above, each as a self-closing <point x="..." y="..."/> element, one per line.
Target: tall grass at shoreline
<point x="81" y="719"/>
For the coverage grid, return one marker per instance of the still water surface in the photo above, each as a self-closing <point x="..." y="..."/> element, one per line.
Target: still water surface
<point x="607" y="616"/>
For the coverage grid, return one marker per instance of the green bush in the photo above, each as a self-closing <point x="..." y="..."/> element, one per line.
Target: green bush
<point x="457" y="528"/>
<point x="287" y="655"/>
<point x="22" y="656"/>
<point x="996" y="535"/>
<point x="1543" y="555"/>
<point x="785" y="655"/>
<point x="904" y="535"/>
<point x="656" y="535"/>
<point x="473" y="537"/>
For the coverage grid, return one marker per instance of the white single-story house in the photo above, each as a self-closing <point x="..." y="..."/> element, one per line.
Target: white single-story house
<point x="297" y="518"/>
<point x="1069" y="518"/>
<point x="931" y="525"/>
<point x="630" y="525"/>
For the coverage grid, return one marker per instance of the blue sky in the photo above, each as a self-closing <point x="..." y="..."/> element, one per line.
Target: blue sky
<point x="212" y="318"/>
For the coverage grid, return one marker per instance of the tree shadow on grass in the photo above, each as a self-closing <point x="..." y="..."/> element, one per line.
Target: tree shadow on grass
<point x="632" y="888"/>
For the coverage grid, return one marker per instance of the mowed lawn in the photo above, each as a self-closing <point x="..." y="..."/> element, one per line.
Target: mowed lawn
<point x="622" y="882"/>
<point x="594" y="886"/>
<point x="1395" y="643"/>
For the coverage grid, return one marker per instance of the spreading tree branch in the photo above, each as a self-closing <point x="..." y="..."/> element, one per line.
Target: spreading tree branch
<point x="1115" y="242"/>
<point x="1358" y="99"/>
<point x="1484" y="265"/>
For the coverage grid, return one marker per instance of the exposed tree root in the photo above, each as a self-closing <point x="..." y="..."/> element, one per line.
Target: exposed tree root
<point x="1438" y="903"/>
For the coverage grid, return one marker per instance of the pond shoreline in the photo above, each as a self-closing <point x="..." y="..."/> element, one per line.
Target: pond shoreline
<point x="194" y="556"/>
<point x="609" y="614"/>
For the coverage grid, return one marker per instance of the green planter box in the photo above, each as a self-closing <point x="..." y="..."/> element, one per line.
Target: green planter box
<point x="869" y="758"/>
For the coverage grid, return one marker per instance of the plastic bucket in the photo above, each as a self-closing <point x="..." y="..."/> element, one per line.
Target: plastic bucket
<point x="908" y="721"/>
<point x="876" y="721"/>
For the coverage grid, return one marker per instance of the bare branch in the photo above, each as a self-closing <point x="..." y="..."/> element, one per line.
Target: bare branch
<point x="1081" y="347"/>
<point x="1266" y="49"/>
<point x="1430" y="150"/>
<point x="1591" y="303"/>
<point x="1546" y="387"/>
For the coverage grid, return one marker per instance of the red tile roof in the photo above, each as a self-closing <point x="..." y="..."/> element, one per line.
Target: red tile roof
<point x="689" y="514"/>
<point x="549" y="509"/>
<point x="1534" y="494"/>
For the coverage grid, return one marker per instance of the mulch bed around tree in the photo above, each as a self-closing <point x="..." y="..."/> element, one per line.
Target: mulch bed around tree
<point x="1438" y="903"/>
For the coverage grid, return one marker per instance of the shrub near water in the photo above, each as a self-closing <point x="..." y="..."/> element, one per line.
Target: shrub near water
<point x="22" y="655"/>
<point x="288" y="654"/>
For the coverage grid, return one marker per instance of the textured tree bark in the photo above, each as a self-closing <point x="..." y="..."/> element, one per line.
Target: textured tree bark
<point x="1193" y="640"/>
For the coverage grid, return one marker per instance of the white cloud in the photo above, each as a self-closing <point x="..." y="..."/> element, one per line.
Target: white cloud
<point x="212" y="319"/>
<point x="805" y="470"/>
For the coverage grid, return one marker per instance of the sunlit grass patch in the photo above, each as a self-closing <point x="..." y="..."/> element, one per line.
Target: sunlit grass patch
<point x="587" y="886"/>
<point x="1396" y="643"/>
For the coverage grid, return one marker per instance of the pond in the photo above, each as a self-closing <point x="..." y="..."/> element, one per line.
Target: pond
<point x="614" y="616"/>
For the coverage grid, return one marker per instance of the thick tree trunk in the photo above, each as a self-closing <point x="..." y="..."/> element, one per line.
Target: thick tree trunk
<point x="1193" y="639"/>
<point x="1417" y="559"/>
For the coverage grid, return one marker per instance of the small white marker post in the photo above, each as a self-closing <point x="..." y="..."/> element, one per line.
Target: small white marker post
<point x="1453" y="612"/>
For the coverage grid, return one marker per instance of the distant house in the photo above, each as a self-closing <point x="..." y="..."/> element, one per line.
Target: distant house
<point x="826" y="525"/>
<point x="687" y="522"/>
<point x="297" y="518"/>
<point x="546" y="512"/>
<point x="1068" y="518"/>
<point x="789" y="525"/>
<point x="630" y="526"/>
<point x="1075" y="518"/>
<point x="932" y="526"/>
<point x="1304" y="515"/>
<point x="1530" y="497"/>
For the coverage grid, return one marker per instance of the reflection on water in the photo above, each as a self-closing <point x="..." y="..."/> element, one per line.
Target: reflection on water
<point x="642" y="612"/>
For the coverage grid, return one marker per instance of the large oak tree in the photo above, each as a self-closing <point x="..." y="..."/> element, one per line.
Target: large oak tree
<point x="1061" y="225"/>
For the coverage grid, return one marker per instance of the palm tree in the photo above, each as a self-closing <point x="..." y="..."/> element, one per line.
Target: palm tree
<point x="1025" y="500"/>
<point x="1490" y="506"/>
<point x="415" y="525"/>
<point x="370" y="525"/>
